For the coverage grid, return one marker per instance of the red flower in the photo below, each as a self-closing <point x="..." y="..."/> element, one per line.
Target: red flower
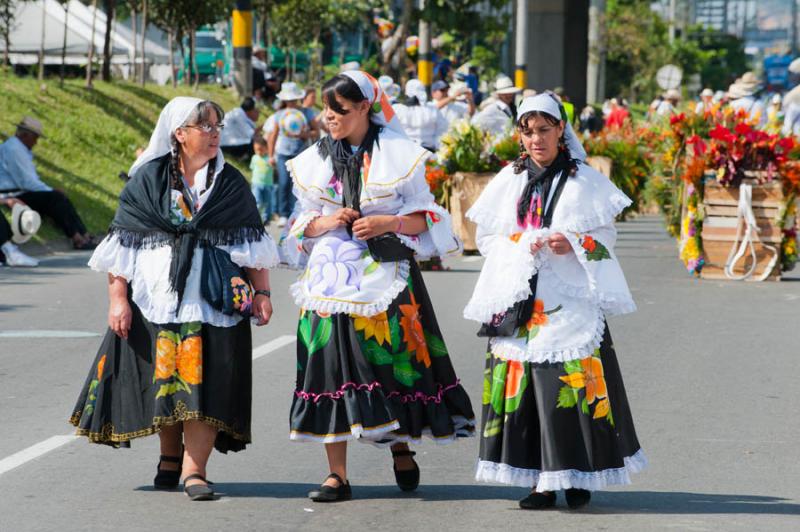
<point x="698" y="144"/>
<point x="589" y="244"/>
<point x="674" y="119"/>
<point x="722" y="134"/>
<point x="786" y="144"/>
<point x="742" y="128"/>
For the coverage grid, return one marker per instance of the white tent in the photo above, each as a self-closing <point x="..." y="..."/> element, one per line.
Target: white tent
<point x="32" y="18"/>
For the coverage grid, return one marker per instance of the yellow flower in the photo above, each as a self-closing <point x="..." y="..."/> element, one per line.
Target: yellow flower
<point x="377" y="326"/>
<point x="166" y="351"/>
<point x="189" y="360"/>
<point x="602" y="408"/>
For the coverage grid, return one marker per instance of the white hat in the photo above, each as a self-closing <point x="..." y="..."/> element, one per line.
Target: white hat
<point x="718" y="96"/>
<point x="290" y="91"/>
<point x="748" y="84"/>
<point x="672" y="94"/>
<point x="776" y="99"/>
<point x="24" y="223"/>
<point x="707" y="92"/>
<point x="31" y="124"/>
<point x="504" y="85"/>
<point x="385" y="82"/>
<point x="415" y="88"/>
<point x="392" y="91"/>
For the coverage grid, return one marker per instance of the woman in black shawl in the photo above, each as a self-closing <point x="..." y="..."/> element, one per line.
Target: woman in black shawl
<point x="174" y="360"/>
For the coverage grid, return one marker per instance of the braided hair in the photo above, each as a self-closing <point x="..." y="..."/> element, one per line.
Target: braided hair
<point x="199" y="115"/>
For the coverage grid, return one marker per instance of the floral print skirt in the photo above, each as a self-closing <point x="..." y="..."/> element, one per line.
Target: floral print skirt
<point x="558" y="425"/>
<point x="384" y="379"/>
<point x="166" y="374"/>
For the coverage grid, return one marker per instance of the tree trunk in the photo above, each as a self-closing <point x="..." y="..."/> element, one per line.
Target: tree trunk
<point x="171" y="40"/>
<point x="395" y="57"/>
<point x="134" y="27"/>
<point x="64" y="47"/>
<point x="41" y="46"/>
<point x="90" y="60"/>
<point x="7" y="20"/>
<point x="144" y="36"/>
<point x="193" y="57"/>
<point x="110" y="6"/>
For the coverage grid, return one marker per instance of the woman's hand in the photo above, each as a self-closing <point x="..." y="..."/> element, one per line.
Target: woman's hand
<point x="323" y="224"/>
<point x="559" y="244"/>
<point x="372" y="226"/>
<point x="536" y="246"/>
<point x="262" y="309"/>
<point x="119" y="316"/>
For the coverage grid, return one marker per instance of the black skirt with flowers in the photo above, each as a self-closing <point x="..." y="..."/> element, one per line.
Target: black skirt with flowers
<point x="384" y="379"/>
<point x="167" y="374"/>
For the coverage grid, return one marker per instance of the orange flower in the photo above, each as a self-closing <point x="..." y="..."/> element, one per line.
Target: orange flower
<point x="515" y="237"/>
<point x="514" y="378"/>
<point x="100" y="366"/>
<point x="190" y="360"/>
<point x="594" y="380"/>
<point x="602" y="409"/>
<point x="413" y="334"/>
<point x="538" y="317"/>
<point x="589" y="244"/>
<point x="166" y="350"/>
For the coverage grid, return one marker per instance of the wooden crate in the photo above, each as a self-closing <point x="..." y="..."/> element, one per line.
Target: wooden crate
<point x="467" y="186"/>
<point x="720" y="227"/>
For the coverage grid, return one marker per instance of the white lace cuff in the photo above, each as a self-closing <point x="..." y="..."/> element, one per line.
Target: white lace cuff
<point x="439" y="240"/>
<point x="112" y="257"/>
<point x="294" y="247"/>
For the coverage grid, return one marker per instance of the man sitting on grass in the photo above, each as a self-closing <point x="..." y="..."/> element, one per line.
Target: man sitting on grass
<point x="18" y="179"/>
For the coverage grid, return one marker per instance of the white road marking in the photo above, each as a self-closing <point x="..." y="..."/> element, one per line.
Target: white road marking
<point x="34" y="451"/>
<point x="47" y="334"/>
<point x="273" y="345"/>
<point x="54" y="442"/>
<point x="471" y="258"/>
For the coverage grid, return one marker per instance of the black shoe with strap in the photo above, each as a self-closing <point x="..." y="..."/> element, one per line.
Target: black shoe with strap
<point x="167" y="479"/>
<point x="577" y="498"/>
<point x="198" y="492"/>
<point x="407" y="480"/>
<point x="342" y="492"/>
<point x="538" y="501"/>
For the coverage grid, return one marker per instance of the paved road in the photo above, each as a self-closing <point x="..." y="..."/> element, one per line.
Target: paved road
<point x="710" y="368"/>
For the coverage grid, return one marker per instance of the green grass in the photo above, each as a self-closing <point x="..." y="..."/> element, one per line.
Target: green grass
<point x="91" y="135"/>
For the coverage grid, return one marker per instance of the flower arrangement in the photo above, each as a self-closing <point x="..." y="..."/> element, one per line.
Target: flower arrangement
<point x="467" y="148"/>
<point x="737" y="152"/>
<point x="438" y="180"/>
<point x="691" y="243"/>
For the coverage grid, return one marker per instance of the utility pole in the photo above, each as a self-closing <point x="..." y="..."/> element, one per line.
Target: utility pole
<point x="521" y="46"/>
<point x="793" y="29"/>
<point x="242" y="40"/>
<point x="425" y="57"/>
<point x="596" y="64"/>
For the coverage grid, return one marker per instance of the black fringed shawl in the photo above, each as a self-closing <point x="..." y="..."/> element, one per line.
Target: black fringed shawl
<point x="228" y="217"/>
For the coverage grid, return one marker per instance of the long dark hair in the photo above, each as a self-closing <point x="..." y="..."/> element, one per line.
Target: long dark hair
<point x="199" y="115"/>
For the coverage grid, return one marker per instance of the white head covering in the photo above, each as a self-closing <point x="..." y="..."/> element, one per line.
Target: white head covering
<point x="416" y="89"/>
<point x="547" y="103"/>
<point x="382" y="112"/>
<point x="172" y="116"/>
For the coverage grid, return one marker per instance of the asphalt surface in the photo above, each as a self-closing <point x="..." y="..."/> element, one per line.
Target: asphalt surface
<point x="710" y="369"/>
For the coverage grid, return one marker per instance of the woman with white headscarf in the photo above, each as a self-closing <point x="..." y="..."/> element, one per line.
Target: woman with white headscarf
<point x="371" y="361"/>
<point x="555" y="413"/>
<point x="422" y="122"/>
<point x="187" y="258"/>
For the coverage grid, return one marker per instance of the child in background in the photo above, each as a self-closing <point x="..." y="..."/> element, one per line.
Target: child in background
<point x="263" y="180"/>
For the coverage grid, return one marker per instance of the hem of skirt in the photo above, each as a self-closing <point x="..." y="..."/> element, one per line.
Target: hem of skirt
<point x="559" y="480"/>
<point x="382" y="436"/>
<point x="109" y="436"/>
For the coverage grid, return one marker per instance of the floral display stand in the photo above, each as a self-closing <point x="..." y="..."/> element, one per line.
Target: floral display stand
<point x="465" y="189"/>
<point x="724" y="227"/>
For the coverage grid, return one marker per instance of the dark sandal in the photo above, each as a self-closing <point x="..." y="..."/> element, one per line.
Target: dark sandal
<point x="538" y="501"/>
<point x="577" y="498"/>
<point x="330" y="494"/>
<point x="167" y="479"/>
<point x="406" y="480"/>
<point x="198" y="492"/>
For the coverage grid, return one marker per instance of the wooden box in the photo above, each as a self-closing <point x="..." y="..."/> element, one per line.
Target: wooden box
<point x="466" y="187"/>
<point x="720" y="227"/>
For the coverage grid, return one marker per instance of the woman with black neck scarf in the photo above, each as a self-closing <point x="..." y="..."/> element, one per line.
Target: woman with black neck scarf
<point x="371" y="361"/>
<point x="555" y="412"/>
<point x="186" y="257"/>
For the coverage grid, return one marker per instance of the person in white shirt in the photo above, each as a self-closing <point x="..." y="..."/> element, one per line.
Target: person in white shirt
<point x="499" y="114"/>
<point x="742" y="95"/>
<point x="669" y="104"/>
<point x="455" y="103"/>
<point x="706" y="101"/>
<point x="240" y="126"/>
<point x="422" y="122"/>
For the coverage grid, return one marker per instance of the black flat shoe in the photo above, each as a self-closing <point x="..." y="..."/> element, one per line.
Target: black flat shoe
<point x="538" y="501"/>
<point x="167" y="479"/>
<point x="198" y="492"/>
<point x="406" y="480"/>
<point x="330" y="494"/>
<point x="577" y="498"/>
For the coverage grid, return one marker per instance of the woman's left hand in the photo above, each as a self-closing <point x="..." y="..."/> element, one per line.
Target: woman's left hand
<point x="559" y="244"/>
<point x="262" y="309"/>
<point x="367" y="227"/>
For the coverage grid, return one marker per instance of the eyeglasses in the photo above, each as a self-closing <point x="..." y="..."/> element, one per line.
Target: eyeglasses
<point x="208" y="128"/>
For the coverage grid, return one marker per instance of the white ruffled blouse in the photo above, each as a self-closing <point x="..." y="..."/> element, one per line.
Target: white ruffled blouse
<point x="339" y="273"/>
<point x="148" y="271"/>
<point x="575" y="291"/>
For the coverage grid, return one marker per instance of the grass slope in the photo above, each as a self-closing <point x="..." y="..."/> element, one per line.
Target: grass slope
<point x="92" y="135"/>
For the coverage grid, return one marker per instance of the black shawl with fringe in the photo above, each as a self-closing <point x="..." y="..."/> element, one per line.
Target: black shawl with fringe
<point x="228" y="217"/>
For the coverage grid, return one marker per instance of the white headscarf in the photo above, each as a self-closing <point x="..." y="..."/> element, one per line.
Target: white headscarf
<point x="415" y="89"/>
<point x="382" y="112"/>
<point x="172" y="116"/>
<point x="547" y="103"/>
